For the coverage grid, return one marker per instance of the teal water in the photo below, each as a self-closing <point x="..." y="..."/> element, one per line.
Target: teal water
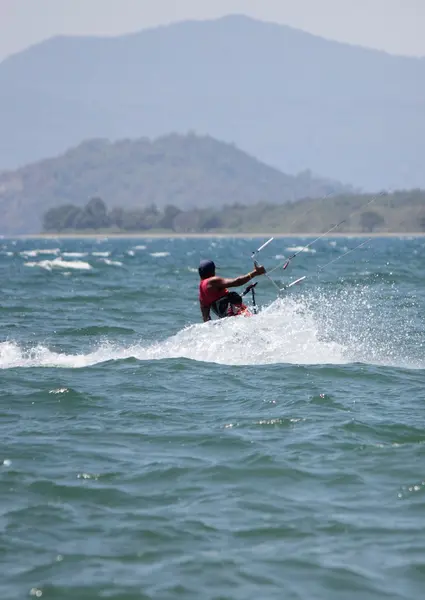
<point x="144" y="455"/>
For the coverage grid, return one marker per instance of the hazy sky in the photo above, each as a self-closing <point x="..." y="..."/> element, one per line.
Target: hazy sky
<point x="397" y="26"/>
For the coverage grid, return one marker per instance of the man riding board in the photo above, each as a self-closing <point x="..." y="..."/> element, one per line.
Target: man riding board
<point x="214" y="295"/>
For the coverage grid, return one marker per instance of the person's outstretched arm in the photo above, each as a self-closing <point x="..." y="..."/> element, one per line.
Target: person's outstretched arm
<point x="220" y="283"/>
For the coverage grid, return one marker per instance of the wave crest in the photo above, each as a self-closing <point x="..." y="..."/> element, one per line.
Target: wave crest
<point x="311" y="328"/>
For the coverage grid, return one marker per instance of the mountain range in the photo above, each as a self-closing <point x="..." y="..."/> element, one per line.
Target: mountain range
<point x="294" y="100"/>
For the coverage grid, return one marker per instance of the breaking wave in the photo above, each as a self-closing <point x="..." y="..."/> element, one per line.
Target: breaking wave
<point x="59" y="263"/>
<point x="309" y="329"/>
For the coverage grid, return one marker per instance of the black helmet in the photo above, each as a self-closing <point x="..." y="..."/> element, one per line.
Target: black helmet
<point x="206" y="268"/>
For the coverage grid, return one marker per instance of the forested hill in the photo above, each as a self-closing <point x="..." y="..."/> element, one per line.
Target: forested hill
<point x="187" y="171"/>
<point x="292" y="99"/>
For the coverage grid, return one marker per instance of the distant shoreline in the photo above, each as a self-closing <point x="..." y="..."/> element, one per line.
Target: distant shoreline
<point x="143" y="235"/>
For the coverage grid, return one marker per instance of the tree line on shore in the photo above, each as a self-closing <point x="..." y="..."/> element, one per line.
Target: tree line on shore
<point x="402" y="211"/>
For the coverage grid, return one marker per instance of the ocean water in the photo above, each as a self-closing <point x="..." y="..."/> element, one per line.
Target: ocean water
<point x="145" y="455"/>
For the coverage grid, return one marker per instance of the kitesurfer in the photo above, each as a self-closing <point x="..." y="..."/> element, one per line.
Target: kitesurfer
<point x="214" y="295"/>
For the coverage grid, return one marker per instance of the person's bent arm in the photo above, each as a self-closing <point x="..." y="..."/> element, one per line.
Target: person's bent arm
<point x="205" y="312"/>
<point x="220" y="283"/>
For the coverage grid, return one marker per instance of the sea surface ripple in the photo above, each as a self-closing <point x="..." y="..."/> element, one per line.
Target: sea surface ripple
<point x="144" y="455"/>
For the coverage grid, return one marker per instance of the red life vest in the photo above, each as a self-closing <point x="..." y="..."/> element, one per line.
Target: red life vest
<point x="209" y="295"/>
<point x="230" y="307"/>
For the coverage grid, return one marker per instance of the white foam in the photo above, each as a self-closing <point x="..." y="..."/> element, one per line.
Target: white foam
<point x="58" y="263"/>
<point x="37" y="252"/>
<point x="44" y="264"/>
<point x="301" y="249"/>
<point x="114" y="263"/>
<point x="75" y="254"/>
<point x="160" y="254"/>
<point x="279" y="334"/>
<point x="308" y="328"/>
<point x="13" y="356"/>
<point x="101" y="254"/>
<point x="140" y="247"/>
